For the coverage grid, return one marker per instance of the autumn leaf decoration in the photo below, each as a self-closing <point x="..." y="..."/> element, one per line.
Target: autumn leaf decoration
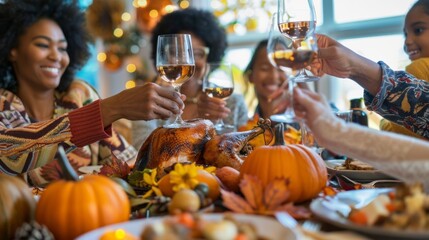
<point x="258" y="200"/>
<point x="115" y="168"/>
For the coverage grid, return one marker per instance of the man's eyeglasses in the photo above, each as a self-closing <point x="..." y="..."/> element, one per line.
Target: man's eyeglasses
<point x="201" y="53"/>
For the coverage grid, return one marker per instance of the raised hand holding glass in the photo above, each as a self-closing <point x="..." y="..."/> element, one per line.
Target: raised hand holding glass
<point x="290" y="56"/>
<point x="175" y="64"/>
<point x="297" y="19"/>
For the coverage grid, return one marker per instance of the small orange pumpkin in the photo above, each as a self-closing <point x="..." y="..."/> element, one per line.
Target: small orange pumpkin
<point x="17" y="205"/>
<point x="303" y="167"/>
<point x="72" y="207"/>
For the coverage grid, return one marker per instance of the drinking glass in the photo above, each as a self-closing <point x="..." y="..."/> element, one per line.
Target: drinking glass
<point x="290" y="56"/>
<point x="175" y="64"/>
<point x="218" y="82"/>
<point x="308" y="137"/>
<point x="297" y="19"/>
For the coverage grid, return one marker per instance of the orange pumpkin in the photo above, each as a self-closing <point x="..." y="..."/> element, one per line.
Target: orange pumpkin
<point x="303" y="167"/>
<point x="17" y="205"/>
<point x="70" y="208"/>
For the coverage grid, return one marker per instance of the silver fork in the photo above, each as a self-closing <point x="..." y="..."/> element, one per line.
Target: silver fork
<point x="370" y="185"/>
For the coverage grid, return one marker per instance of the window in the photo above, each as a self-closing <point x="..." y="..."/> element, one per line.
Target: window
<point x="351" y="11"/>
<point x="386" y="48"/>
<point x="89" y="72"/>
<point x="374" y="32"/>
<point x="371" y="28"/>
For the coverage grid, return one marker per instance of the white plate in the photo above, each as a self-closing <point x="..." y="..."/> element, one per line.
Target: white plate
<point x="329" y="211"/>
<point x="266" y="227"/>
<point x="358" y="175"/>
<point x="90" y="169"/>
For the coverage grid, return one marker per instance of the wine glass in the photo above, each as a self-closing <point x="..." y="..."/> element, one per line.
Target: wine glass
<point x="175" y="64"/>
<point x="308" y="139"/>
<point x="290" y="56"/>
<point x="218" y="82"/>
<point x="297" y="19"/>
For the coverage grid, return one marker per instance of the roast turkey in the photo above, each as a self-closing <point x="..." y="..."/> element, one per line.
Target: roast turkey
<point x="166" y="146"/>
<point x="229" y="149"/>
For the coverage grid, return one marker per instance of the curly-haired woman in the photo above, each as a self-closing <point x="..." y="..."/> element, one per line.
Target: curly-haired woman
<point x="43" y="44"/>
<point x="209" y="44"/>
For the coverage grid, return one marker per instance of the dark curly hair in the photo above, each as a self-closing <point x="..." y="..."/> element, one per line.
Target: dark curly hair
<point x="17" y="15"/>
<point x="198" y="22"/>
<point x="422" y="3"/>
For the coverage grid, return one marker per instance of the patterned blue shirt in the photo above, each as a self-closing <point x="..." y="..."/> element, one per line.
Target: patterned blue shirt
<point x="403" y="99"/>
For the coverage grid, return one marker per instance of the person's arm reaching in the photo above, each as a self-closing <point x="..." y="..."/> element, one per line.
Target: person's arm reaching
<point x="79" y="127"/>
<point x="335" y="59"/>
<point x="401" y="156"/>
<point x="146" y="102"/>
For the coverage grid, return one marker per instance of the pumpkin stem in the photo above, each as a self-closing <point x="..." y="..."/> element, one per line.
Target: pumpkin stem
<point x="68" y="170"/>
<point x="279" y="139"/>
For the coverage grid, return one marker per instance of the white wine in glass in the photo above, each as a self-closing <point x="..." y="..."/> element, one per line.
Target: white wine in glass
<point x="289" y="56"/>
<point x="176" y="75"/>
<point x="218" y="83"/>
<point x="297" y="19"/>
<point x="175" y="64"/>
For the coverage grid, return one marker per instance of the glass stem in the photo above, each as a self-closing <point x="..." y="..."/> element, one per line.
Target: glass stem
<point x="219" y="124"/>
<point x="289" y="110"/>
<point x="178" y="119"/>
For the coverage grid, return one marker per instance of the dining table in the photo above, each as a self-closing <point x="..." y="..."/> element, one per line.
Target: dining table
<point x="325" y="221"/>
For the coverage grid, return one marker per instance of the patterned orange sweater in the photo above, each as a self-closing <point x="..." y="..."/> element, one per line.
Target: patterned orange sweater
<point x="30" y="147"/>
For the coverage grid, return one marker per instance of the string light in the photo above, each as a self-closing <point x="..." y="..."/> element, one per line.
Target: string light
<point x="131" y="68"/>
<point x="122" y="41"/>
<point x="118" y="32"/>
<point x="101" y="57"/>
<point x="126" y="16"/>
<point x="169" y="8"/>
<point x="153" y="13"/>
<point x="130" y="84"/>
<point x="139" y="3"/>
<point x="184" y="4"/>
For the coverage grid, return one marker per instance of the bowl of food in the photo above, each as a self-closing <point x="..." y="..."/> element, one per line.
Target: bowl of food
<point x="200" y="226"/>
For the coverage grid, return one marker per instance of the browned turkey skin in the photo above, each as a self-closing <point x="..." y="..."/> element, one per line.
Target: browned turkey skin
<point x="229" y="149"/>
<point x="166" y="146"/>
<point x="198" y="143"/>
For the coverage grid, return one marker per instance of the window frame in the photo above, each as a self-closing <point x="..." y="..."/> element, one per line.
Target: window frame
<point x="330" y="86"/>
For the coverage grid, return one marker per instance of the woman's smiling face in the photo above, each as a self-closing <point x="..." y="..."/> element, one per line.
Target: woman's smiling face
<point x="41" y="57"/>
<point x="266" y="78"/>
<point x="416" y="32"/>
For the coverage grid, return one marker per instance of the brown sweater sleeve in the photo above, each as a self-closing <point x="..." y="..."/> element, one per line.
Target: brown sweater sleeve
<point x="87" y="126"/>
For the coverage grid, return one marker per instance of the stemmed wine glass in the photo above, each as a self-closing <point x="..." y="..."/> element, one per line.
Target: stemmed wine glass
<point x="290" y="56"/>
<point x="175" y="64"/>
<point x="297" y="19"/>
<point x="219" y="83"/>
<point x="308" y="137"/>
